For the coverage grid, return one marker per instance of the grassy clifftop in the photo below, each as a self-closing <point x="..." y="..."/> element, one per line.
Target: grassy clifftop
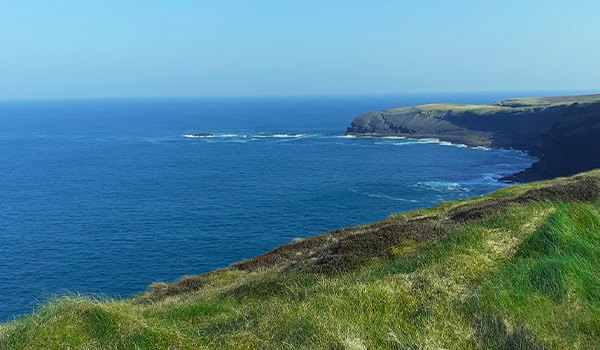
<point x="518" y="269"/>
<point x="476" y="125"/>
<point x="543" y="126"/>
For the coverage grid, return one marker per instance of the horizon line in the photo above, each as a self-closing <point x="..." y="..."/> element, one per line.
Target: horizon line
<point x="550" y="91"/>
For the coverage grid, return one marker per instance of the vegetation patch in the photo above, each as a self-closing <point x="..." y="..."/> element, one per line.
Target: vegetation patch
<point x="554" y="280"/>
<point x="519" y="269"/>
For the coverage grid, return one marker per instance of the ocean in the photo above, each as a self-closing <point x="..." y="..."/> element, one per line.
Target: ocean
<point x="104" y="197"/>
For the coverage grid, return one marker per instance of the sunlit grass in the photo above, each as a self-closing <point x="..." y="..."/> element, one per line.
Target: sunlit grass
<point x="523" y="277"/>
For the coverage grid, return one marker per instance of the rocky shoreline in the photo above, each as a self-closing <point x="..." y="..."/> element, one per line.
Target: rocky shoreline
<point x="563" y="132"/>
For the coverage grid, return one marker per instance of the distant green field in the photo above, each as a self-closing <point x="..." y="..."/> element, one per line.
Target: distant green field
<point x="547" y="101"/>
<point x="478" y="109"/>
<point x="520" y="104"/>
<point x="518" y="269"/>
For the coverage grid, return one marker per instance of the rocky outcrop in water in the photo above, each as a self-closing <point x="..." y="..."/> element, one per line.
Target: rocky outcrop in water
<point x="199" y="135"/>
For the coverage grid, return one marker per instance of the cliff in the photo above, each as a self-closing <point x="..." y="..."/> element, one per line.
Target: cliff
<point x="564" y="132"/>
<point x="517" y="269"/>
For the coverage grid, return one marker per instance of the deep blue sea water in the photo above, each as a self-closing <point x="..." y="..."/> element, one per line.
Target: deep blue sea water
<point x="106" y="196"/>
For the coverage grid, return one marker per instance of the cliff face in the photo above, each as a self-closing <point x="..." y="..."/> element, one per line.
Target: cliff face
<point x="563" y="131"/>
<point x="571" y="145"/>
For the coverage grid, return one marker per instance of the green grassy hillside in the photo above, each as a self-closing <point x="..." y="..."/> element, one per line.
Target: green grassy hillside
<point x="518" y="269"/>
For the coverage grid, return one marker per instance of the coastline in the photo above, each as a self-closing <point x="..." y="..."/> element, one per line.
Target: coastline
<point x="456" y="262"/>
<point x="562" y="132"/>
<point x="445" y="141"/>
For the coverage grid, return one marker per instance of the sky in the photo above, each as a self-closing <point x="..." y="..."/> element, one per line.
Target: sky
<point x="183" y="48"/>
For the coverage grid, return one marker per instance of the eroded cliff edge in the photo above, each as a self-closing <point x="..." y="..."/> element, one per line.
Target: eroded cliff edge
<point x="564" y="132"/>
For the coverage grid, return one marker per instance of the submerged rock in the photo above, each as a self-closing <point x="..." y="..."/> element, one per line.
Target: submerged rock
<point x="199" y="135"/>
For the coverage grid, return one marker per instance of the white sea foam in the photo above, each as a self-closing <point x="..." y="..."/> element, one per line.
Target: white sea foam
<point x="287" y="136"/>
<point x="407" y="142"/>
<point x="410" y="141"/>
<point x="197" y="137"/>
<point x="441" y="186"/>
<point x="369" y="137"/>
<point x="247" y="137"/>
<point x="458" y="145"/>
<point x="381" y="195"/>
<point x="494" y="179"/>
<point x="291" y="136"/>
<point x="520" y="155"/>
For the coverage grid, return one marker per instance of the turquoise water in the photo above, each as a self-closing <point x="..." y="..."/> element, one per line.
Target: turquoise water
<point x="106" y="196"/>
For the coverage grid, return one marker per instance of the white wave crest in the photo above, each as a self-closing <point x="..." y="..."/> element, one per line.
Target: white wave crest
<point x="407" y="142"/>
<point x="277" y="135"/>
<point x="441" y="186"/>
<point x="369" y="137"/>
<point x="197" y="136"/>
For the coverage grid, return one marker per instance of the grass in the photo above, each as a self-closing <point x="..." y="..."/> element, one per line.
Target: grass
<point x="519" y="269"/>
<point x="555" y="275"/>
<point x="518" y="105"/>
<point x="453" y="107"/>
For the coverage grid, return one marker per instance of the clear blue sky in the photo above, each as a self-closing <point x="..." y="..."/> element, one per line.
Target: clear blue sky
<point x="74" y="48"/>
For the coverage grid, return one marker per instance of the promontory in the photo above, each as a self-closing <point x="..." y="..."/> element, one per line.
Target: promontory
<point x="563" y="132"/>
